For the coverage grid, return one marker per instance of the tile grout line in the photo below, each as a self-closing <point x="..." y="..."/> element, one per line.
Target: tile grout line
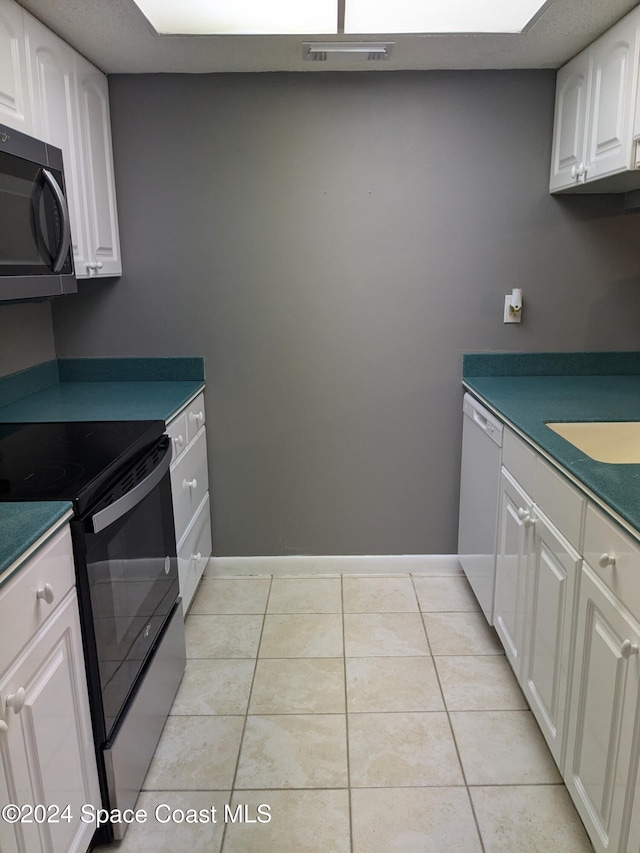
<point x="246" y="715"/>
<point x="453" y="736"/>
<point x="346" y="713"/>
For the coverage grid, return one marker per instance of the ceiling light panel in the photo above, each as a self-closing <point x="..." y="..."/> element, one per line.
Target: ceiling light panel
<point x="240" y="17"/>
<point x="440" y="16"/>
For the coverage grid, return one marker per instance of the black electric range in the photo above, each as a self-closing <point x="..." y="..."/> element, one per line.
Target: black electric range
<point x="117" y="476"/>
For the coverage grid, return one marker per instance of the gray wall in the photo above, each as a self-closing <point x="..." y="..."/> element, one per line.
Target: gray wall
<point x="332" y="244"/>
<point x="26" y="336"/>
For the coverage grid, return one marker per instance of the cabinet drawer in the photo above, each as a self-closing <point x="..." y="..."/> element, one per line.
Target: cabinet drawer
<point x="177" y="432"/>
<point x="189" y="483"/>
<point x="193" y="553"/>
<point x="603" y="540"/>
<point x="519" y="460"/>
<point x="560" y="500"/>
<point x="21" y="611"/>
<point x="195" y="417"/>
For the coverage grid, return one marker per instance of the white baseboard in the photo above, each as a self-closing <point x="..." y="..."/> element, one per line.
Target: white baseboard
<point x="399" y="564"/>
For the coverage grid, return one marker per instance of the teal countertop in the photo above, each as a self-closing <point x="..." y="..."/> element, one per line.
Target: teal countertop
<point x="529" y="402"/>
<point x="102" y="401"/>
<point x="22" y="525"/>
<point x="95" y="389"/>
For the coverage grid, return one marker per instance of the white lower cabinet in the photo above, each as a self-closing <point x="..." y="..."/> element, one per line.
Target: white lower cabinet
<point x="604" y="723"/>
<point x="536" y="573"/>
<point x="190" y="492"/>
<point x="553" y="567"/>
<point x="570" y="628"/>
<point x="194" y="552"/>
<point x="511" y="568"/>
<point x="47" y="756"/>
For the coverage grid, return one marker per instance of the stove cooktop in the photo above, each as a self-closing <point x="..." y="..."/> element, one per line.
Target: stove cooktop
<point x="69" y="461"/>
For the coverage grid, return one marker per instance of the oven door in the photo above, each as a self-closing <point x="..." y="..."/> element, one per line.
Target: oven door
<point x="129" y="584"/>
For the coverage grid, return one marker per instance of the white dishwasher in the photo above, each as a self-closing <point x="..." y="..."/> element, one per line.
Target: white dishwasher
<point x="479" y="494"/>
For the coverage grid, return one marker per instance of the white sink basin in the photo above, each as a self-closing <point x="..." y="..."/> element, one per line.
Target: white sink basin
<point x="604" y="441"/>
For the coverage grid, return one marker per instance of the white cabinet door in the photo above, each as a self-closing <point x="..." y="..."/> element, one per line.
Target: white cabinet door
<point x="604" y="714"/>
<point x="103" y="252"/>
<point x="511" y="569"/>
<point x="615" y="69"/>
<point x="15" y="109"/>
<point x="55" y="118"/>
<point x="47" y="754"/>
<point x="553" y="568"/>
<point x="570" y="123"/>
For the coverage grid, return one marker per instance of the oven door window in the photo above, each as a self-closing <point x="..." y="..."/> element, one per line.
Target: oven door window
<point x="133" y="585"/>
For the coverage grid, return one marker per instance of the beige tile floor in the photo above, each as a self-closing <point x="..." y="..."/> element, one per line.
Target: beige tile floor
<point x="369" y="714"/>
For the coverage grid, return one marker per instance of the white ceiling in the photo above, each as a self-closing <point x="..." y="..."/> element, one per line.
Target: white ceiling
<point x="116" y="37"/>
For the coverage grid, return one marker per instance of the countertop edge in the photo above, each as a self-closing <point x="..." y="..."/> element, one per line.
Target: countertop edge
<point x="186" y="403"/>
<point x="591" y="495"/>
<point x="31" y="549"/>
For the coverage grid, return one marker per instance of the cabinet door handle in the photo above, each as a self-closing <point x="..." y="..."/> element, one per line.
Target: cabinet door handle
<point x="628" y="649"/>
<point x="525" y="516"/>
<point x="574" y="172"/>
<point x="179" y="440"/>
<point x="607" y="560"/>
<point x="4" y="728"/>
<point x="46" y="593"/>
<point x="196" y="557"/>
<point x="190" y="484"/>
<point x="16" y="700"/>
<point x="198" y="417"/>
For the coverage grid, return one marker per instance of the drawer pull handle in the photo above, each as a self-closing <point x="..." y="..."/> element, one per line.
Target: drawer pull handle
<point x="46" y="593"/>
<point x="196" y="557"/>
<point x="198" y="417"/>
<point x="16" y="700"/>
<point x="525" y="516"/>
<point x="628" y="649"/>
<point x="179" y="440"/>
<point x="4" y="728"/>
<point x="190" y="484"/>
<point x="607" y="560"/>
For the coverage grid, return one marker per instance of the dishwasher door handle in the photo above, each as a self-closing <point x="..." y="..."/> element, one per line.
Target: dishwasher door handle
<point x="483" y="423"/>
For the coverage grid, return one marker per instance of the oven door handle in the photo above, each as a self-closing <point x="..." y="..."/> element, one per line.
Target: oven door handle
<point x="138" y="493"/>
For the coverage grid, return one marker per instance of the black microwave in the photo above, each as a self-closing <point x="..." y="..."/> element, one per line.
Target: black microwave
<point x="35" y="231"/>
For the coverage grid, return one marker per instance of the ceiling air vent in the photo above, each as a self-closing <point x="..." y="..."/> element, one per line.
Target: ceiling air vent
<point x="360" y="51"/>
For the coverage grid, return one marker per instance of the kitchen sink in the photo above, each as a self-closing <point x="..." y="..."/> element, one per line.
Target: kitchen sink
<point x="605" y="441"/>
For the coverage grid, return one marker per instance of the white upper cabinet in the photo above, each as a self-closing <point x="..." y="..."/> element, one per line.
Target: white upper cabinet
<point x="15" y="110"/>
<point x="570" y="122"/>
<point x="596" y="115"/>
<point x="54" y="95"/>
<point x="103" y="256"/>
<point x="615" y="72"/>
